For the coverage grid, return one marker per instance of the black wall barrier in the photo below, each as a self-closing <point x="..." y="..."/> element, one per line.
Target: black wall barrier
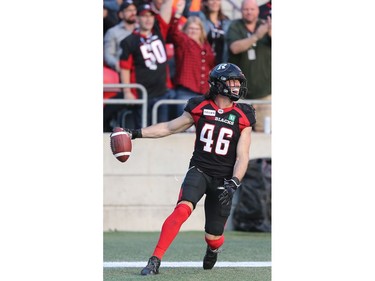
<point x="253" y="209"/>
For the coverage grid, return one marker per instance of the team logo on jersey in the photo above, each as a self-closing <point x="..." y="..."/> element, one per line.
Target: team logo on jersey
<point x="232" y="117"/>
<point x="223" y="120"/>
<point x="220" y="111"/>
<point x="209" y="112"/>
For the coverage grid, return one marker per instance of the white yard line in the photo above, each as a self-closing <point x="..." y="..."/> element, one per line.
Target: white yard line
<point x="190" y="264"/>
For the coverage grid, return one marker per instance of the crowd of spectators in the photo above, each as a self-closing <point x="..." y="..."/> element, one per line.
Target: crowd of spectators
<point x="169" y="47"/>
<point x="194" y="57"/>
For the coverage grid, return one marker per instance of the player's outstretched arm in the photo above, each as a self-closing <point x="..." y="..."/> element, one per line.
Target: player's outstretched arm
<point x="164" y="129"/>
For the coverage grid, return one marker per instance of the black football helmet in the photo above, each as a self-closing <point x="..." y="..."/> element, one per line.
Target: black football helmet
<point x="220" y="74"/>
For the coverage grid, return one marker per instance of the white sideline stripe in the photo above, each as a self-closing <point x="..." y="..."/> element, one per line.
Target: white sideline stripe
<point x="190" y="264"/>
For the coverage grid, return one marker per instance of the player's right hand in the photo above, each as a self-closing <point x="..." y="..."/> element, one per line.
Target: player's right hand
<point x="134" y="133"/>
<point x="230" y="187"/>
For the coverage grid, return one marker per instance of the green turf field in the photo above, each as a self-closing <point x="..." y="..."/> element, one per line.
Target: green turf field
<point x="188" y="246"/>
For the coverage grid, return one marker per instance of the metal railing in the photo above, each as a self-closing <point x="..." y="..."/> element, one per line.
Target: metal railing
<point x="175" y="101"/>
<point x="161" y="102"/>
<point x="142" y="101"/>
<point x="255" y="101"/>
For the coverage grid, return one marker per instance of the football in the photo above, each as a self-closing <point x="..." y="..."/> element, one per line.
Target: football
<point x="121" y="144"/>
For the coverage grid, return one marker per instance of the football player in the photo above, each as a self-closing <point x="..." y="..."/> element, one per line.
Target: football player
<point x="219" y="161"/>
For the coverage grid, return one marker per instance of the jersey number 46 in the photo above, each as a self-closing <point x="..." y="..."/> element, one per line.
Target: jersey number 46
<point x="223" y="139"/>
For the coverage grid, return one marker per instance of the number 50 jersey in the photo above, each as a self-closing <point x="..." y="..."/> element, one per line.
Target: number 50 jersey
<point x="146" y="58"/>
<point x="217" y="134"/>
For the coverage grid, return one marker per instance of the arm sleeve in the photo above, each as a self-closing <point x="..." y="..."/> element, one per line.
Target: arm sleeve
<point x="110" y="49"/>
<point x="233" y="33"/>
<point x="193" y="103"/>
<point x="177" y="37"/>
<point x="210" y="56"/>
<point x="126" y="58"/>
<point x="162" y="25"/>
<point x="251" y="115"/>
<point x="247" y="113"/>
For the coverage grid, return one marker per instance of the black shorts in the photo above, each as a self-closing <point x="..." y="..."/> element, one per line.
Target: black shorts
<point x="195" y="185"/>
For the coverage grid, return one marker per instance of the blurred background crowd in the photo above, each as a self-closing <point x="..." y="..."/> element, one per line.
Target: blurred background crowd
<point x="170" y="46"/>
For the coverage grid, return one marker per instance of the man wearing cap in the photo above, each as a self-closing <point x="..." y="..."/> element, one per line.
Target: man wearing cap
<point x="127" y="13"/>
<point x="144" y="58"/>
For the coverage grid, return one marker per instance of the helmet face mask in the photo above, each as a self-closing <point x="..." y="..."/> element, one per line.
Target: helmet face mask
<point x="219" y="76"/>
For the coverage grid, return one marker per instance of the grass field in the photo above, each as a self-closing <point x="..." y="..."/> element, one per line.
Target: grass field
<point x="188" y="246"/>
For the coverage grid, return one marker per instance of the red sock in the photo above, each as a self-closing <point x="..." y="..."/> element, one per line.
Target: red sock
<point x="171" y="228"/>
<point x="215" y="244"/>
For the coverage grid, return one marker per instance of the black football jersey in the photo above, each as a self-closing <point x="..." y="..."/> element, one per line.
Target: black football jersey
<point x="217" y="134"/>
<point x="146" y="58"/>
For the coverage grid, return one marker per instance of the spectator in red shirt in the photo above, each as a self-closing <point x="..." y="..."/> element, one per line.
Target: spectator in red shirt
<point x="194" y="57"/>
